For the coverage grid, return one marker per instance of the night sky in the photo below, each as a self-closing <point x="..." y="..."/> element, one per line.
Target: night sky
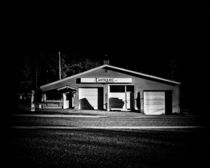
<point x="138" y="37"/>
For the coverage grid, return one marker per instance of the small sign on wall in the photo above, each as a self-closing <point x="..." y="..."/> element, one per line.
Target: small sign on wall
<point x="88" y="80"/>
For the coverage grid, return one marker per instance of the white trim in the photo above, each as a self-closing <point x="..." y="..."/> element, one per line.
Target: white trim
<point x="110" y="66"/>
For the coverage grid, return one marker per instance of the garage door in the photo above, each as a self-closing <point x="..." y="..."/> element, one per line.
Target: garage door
<point x="154" y="103"/>
<point x="88" y="98"/>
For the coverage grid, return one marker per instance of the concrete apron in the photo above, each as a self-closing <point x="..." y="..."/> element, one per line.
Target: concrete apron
<point x="92" y="112"/>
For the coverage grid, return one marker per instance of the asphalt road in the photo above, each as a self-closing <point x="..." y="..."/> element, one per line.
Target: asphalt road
<point x="103" y="121"/>
<point x="106" y="148"/>
<point x="35" y="140"/>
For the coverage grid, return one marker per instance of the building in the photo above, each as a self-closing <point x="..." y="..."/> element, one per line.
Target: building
<point x="110" y="88"/>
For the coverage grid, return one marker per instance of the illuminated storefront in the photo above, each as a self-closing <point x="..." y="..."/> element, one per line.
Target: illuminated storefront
<point x="112" y="88"/>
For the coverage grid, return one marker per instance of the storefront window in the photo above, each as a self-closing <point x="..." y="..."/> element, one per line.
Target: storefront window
<point x="117" y="88"/>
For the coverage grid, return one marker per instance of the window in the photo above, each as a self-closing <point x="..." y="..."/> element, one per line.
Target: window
<point x="117" y="88"/>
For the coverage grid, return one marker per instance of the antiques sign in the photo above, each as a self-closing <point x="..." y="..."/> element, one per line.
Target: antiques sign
<point x="106" y="80"/>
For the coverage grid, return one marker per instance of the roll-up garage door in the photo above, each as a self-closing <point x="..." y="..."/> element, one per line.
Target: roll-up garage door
<point x="154" y="103"/>
<point x="88" y="98"/>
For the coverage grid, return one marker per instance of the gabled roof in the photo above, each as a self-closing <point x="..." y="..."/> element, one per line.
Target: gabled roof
<point x="112" y="67"/>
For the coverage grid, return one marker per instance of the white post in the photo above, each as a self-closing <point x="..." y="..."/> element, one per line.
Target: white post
<point x="32" y="101"/>
<point x="64" y="100"/>
<point x="44" y="97"/>
<point x="108" y="90"/>
<point x="125" y="98"/>
<point x="142" y="101"/>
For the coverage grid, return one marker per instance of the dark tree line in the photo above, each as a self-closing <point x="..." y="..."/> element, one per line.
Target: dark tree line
<point x="34" y="71"/>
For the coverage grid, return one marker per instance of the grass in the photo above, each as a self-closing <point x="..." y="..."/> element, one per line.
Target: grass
<point x="106" y="148"/>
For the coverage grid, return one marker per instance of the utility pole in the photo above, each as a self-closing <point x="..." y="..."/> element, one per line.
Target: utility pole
<point x="36" y="78"/>
<point x="59" y="54"/>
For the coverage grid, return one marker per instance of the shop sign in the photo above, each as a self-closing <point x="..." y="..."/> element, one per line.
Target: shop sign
<point x="114" y="80"/>
<point x="106" y="80"/>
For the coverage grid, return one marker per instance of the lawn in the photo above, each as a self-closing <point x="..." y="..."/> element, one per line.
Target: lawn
<point x="107" y="148"/>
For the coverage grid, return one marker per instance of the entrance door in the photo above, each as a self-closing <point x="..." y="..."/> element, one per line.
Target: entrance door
<point x="121" y="97"/>
<point x="70" y="97"/>
<point x="154" y="102"/>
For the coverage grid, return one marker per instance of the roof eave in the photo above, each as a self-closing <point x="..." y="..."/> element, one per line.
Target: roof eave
<point x="146" y="75"/>
<point x="70" y="77"/>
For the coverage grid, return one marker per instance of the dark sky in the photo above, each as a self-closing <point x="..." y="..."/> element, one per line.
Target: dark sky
<point x="125" y="33"/>
<point x="137" y="37"/>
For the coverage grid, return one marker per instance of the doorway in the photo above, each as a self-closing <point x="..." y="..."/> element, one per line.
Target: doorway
<point x="121" y="97"/>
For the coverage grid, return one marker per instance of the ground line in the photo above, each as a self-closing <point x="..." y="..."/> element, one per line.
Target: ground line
<point x="58" y="116"/>
<point x="112" y="127"/>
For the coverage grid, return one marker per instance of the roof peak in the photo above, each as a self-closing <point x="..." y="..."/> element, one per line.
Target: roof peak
<point x="113" y="67"/>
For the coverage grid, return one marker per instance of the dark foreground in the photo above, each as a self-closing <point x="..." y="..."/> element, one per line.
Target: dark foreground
<point x="107" y="148"/>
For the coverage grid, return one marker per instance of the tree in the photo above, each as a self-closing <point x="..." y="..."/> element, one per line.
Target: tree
<point x="49" y="62"/>
<point x="35" y="70"/>
<point x="77" y="66"/>
<point x="173" y="69"/>
<point x="25" y="74"/>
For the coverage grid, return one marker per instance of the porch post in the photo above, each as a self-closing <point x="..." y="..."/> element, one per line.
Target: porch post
<point x="108" y="90"/>
<point x="44" y="97"/>
<point x="32" y="101"/>
<point x="64" y="100"/>
<point x="125" y="97"/>
<point x="142" y="101"/>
